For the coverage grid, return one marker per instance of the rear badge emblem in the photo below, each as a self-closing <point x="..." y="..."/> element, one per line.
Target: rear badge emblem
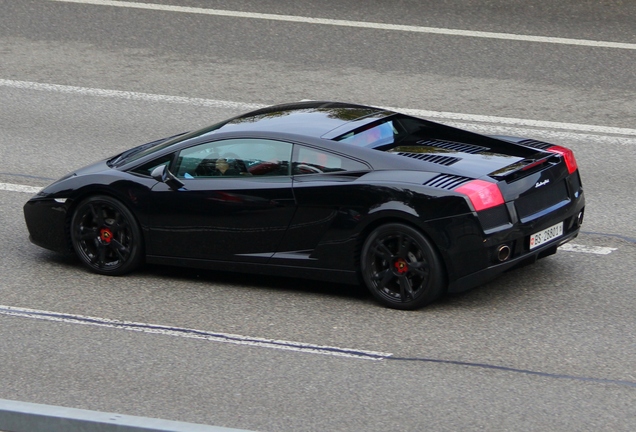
<point x="543" y="183"/>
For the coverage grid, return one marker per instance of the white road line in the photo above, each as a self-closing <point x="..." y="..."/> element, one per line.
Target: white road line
<point x="118" y="94"/>
<point x="358" y="24"/>
<point x="517" y="121"/>
<point x="193" y="333"/>
<point x="598" y="250"/>
<point x="242" y="106"/>
<point x="549" y="135"/>
<point x="19" y="188"/>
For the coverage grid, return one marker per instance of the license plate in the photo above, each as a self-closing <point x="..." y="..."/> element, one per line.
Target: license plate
<point x="537" y="239"/>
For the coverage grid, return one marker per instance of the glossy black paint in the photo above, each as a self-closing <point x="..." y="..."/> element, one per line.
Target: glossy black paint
<point x="220" y="219"/>
<point x="313" y="225"/>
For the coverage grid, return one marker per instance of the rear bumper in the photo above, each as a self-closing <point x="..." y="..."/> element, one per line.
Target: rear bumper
<point x="478" y="278"/>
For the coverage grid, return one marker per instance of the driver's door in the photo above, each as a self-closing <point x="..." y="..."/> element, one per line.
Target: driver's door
<point x="240" y="214"/>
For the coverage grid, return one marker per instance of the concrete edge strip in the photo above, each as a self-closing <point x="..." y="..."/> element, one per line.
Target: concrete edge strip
<point x="18" y="416"/>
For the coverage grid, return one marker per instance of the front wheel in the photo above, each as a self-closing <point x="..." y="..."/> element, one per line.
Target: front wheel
<point x="401" y="268"/>
<point x="106" y="236"/>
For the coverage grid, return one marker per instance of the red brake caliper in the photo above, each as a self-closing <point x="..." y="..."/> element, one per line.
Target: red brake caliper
<point x="106" y="235"/>
<point x="401" y="266"/>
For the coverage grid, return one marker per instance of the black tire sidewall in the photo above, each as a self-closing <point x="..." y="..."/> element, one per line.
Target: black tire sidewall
<point x="435" y="284"/>
<point x="136" y="253"/>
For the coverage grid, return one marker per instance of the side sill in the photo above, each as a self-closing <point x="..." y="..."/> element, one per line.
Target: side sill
<point x="327" y="275"/>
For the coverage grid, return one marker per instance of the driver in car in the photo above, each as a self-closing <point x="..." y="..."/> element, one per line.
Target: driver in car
<point x="223" y="168"/>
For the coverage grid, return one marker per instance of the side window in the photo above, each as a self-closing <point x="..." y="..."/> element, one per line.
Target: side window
<point x="312" y="161"/>
<point x="234" y="158"/>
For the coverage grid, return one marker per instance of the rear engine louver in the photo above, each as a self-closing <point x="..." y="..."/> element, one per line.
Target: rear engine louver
<point x="454" y="146"/>
<point x="434" y="158"/>
<point x="447" y="181"/>
<point x="539" y="145"/>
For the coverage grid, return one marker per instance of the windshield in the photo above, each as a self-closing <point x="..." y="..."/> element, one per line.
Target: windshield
<point x="155" y="146"/>
<point x="126" y="156"/>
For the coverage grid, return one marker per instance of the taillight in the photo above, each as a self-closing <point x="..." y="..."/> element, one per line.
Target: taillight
<point x="568" y="155"/>
<point x="482" y="194"/>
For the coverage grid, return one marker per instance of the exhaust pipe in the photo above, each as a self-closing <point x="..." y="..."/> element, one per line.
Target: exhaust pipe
<point x="503" y="253"/>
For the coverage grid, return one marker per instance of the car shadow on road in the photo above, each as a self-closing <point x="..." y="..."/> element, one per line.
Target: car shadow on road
<point x="237" y="280"/>
<point x="517" y="286"/>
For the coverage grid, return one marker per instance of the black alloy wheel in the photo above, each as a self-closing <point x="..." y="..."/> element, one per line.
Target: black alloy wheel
<point x="106" y="236"/>
<point x="401" y="268"/>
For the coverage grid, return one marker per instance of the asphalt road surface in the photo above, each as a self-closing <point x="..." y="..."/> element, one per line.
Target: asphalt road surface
<point x="547" y="347"/>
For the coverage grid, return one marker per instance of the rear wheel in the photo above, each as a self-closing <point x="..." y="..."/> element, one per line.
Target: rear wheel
<point x="401" y="268"/>
<point x="105" y="236"/>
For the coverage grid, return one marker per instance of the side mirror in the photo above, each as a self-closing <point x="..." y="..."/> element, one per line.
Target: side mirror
<point x="162" y="174"/>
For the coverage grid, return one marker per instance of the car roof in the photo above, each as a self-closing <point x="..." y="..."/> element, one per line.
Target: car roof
<point x="321" y="124"/>
<point x="311" y="118"/>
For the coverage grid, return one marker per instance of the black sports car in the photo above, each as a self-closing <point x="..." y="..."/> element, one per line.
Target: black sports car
<point x="321" y="190"/>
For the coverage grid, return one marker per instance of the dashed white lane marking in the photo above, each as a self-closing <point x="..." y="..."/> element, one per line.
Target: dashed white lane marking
<point x="118" y="94"/>
<point x="517" y="121"/>
<point x="359" y="24"/>
<point x="241" y="106"/>
<point x="19" y="188"/>
<point x="598" y="250"/>
<point x="193" y="333"/>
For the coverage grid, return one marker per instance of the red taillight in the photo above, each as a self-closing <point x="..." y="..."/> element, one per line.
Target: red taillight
<point x="568" y="155"/>
<point x="482" y="194"/>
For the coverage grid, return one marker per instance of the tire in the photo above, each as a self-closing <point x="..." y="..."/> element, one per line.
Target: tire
<point x="401" y="268"/>
<point x="106" y="236"/>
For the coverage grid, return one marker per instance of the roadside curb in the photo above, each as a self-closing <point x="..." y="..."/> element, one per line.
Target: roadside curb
<point x="18" y="416"/>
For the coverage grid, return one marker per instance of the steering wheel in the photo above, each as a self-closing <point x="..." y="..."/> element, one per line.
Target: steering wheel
<point x="307" y="169"/>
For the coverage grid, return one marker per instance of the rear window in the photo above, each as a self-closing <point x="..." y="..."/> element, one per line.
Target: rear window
<point x="390" y="132"/>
